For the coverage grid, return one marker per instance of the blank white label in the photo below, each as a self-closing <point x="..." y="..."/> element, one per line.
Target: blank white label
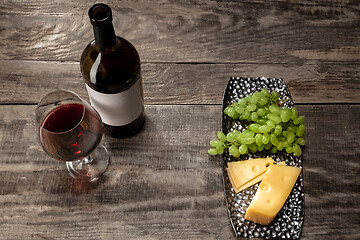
<point x="120" y="108"/>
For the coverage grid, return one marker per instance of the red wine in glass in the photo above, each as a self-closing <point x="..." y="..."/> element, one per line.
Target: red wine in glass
<point x="71" y="130"/>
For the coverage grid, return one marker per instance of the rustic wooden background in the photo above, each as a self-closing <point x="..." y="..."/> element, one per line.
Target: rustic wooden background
<point x="161" y="183"/>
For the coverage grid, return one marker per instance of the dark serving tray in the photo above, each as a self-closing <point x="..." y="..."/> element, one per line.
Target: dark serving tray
<point x="289" y="221"/>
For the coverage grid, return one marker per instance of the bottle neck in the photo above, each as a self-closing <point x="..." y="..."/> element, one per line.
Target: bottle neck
<point x="104" y="36"/>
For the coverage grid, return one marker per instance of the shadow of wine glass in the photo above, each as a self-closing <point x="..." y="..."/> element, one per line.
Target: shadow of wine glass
<point x="79" y="187"/>
<point x="60" y="182"/>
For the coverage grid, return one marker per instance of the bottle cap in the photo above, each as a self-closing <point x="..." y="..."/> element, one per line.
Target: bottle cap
<point x="100" y="15"/>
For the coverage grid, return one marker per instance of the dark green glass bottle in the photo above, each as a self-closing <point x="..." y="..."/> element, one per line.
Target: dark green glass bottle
<point x="110" y="66"/>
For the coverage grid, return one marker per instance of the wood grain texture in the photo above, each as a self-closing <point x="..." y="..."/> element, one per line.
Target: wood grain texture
<point x="24" y="82"/>
<point x="162" y="184"/>
<point x="189" y="31"/>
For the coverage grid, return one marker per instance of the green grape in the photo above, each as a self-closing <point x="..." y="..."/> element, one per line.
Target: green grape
<point x="212" y="151"/>
<point x="274" y="150"/>
<point x="274" y="96"/>
<point x="265" y="92"/>
<point x="297" y="150"/>
<point x="262" y="101"/>
<point x="301" y="141"/>
<point x="292" y="129"/>
<point x="254" y="99"/>
<point x="257" y="95"/>
<point x="261" y="147"/>
<point x="294" y="113"/>
<point x="236" y="132"/>
<point x="220" y="149"/>
<point x="230" y="111"/>
<point x="285" y="133"/>
<point x="248" y="133"/>
<point x="259" y="139"/>
<point x="261" y="121"/>
<point x="252" y="147"/>
<point x="243" y="149"/>
<point x="264" y="128"/>
<point x="273" y="139"/>
<point x="216" y="143"/>
<point x="300" y="130"/>
<point x="278" y="130"/>
<point x="226" y="110"/>
<point x="234" y="151"/>
<point x="239" y="137"/>
<point x="274" y="108"/>
<point x="242" y="102"/>
<point x="230" y="137"/>
<point x="299" y="120"/>
<point x="267" y="111"/>
<point x="285" y="115"/>
<point x="268" y="145"/>
<point x="248" y="140"/>
<point x="290" y="137"/>
<point x="280" y="146"/>
<point x="253" y="116"/>
<point x="261" y="112"/>
<point x="235" y="116"/>
<point x="251" y="107"/>
<point x="239" y="109"/>
<point x="270" y="123"/>
<point x="246" y="114"/>
<point x="234" y="104"/>
<point x="273" y="117"/>
<point x="221" y="136"/>
<point x="254" y="127"/>
<point x="289" y="149"/>
<point x="285" y="143"/>
<point x="266" y="138"/>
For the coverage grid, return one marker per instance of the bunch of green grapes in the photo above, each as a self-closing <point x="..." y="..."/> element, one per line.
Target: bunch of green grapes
<point x="270" y="127"/>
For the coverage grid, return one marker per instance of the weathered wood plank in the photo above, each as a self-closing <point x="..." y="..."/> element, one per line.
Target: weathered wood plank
<point x="182" y="31"/>
<point x="24" y="82"/>
<point x="162" y="184"/>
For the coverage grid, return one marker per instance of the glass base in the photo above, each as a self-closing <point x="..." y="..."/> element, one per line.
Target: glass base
<point x="90" y="168"/>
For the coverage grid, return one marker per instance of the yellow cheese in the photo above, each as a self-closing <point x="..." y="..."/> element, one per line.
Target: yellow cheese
<point x="248" y="184"/>
<point x="243" y="174"/>
<point x="276" y="185"/>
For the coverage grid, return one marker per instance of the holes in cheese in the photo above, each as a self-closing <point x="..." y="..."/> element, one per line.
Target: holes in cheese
<point x="243" y="174"/>
<point x="276" y="185"/>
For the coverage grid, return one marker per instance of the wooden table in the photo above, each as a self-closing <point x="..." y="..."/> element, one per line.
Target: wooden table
<point x="161" y="183"/>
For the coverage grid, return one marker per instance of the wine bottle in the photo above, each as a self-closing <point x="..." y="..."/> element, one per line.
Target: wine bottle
<point x="110" y="66"/>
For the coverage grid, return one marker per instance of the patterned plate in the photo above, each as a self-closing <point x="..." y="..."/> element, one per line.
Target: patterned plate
<point x="289" y="221"/>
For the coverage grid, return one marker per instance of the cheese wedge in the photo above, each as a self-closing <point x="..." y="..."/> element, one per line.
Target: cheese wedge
<point x="243" y="174"/>
<point x="276" y="185"/>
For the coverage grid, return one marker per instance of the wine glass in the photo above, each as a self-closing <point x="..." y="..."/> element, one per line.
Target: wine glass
<point x="70" y="130"/>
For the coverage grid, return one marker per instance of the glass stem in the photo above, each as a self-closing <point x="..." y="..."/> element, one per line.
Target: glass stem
<point x="85" y="161"/>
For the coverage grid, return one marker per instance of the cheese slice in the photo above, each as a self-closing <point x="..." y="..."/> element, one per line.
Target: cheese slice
<point x="243" y="174"/>
<point x="276" y="185"/>
<point x="249" y="183"/>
